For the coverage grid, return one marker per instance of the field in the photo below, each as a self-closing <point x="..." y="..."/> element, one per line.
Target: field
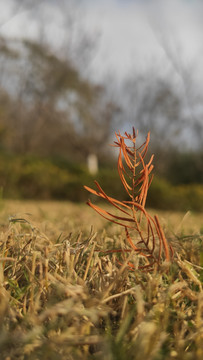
<point x="63" y="297"/>
<point x="68" y="217"/>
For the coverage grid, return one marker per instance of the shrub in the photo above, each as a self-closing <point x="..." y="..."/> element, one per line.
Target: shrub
<point x="164" y="196"/>
<point x="56" y="178"/>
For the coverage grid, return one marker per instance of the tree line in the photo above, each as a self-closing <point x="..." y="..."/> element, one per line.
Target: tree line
<point x="50" y="107"/>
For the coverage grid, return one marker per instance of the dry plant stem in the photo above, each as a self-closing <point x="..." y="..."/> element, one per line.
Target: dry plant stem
<point x="4" y="259"/>
<point x="123" y="267"/>
<point x="124" y="307"/>
<point x="136" y="178"/>
<point x="163" y="238"/>
<point x="89" y="261"/>
<point x="32" y="282"/>
<point x="128" y="291"/>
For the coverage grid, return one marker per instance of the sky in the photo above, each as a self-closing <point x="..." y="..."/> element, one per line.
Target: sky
<point x="129" y="34"/>
<point x="133" y="32"/>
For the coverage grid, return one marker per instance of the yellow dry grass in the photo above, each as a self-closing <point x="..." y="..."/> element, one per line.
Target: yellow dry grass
<point x="60" y="298"/>
<point x="66" y="216"/>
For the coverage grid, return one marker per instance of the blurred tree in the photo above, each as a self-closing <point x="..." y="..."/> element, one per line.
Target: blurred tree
<point x="157" y="102"/>
<point x="156" y="107"/>
<point x="54" y="110"/>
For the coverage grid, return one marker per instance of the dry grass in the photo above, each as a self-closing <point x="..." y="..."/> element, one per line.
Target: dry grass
<point x="66" y="216"/>
<point x="61" y="299"/>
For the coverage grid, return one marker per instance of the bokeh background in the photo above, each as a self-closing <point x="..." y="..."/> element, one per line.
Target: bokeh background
<point x="74" y="72"/>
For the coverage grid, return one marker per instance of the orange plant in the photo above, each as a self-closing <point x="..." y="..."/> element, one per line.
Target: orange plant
<point x="144" y="234"/>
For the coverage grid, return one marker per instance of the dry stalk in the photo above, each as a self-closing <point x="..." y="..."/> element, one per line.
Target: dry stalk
<point x="135" y="175"/>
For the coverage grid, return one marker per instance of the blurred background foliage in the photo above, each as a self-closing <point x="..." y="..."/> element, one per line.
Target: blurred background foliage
<point x="53" y="115"/>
